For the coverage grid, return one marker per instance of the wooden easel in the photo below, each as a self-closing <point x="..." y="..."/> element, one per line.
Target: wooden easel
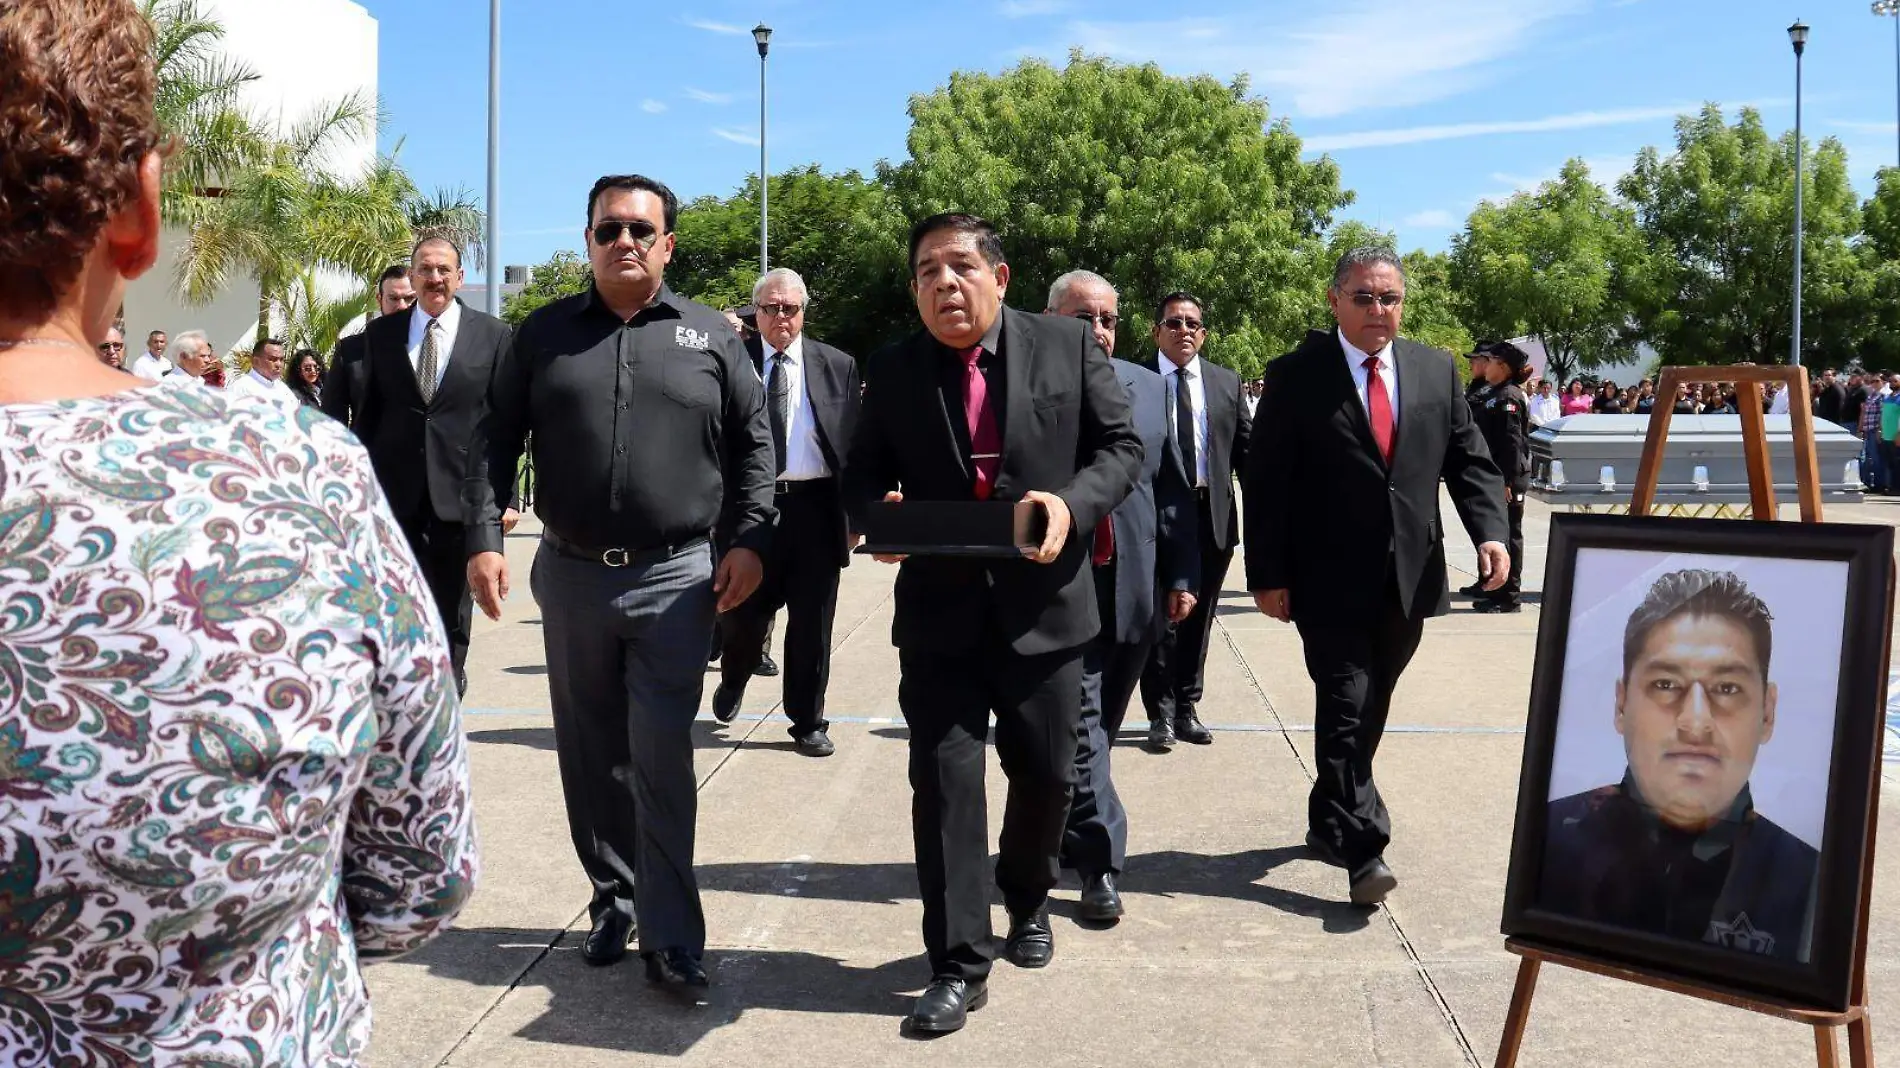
<point x="1761" y="490"/>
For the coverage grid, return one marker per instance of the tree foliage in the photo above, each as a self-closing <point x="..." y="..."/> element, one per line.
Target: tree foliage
<point x="564" y="275"/>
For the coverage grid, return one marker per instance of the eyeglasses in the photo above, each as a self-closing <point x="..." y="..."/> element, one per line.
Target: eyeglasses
<point x="608" y="232"/>
<point x="781" y="310"/>
<point x="1106" y="320"/>
<point x="111" y="346"/>
<point x="1363" y="299"/>
<point x="1177" y="323"/>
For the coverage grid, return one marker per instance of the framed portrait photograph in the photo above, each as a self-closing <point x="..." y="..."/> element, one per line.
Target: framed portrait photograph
<point x="1703" y="750"/>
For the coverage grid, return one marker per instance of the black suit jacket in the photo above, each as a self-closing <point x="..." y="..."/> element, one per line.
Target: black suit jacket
<point x="421" y="450"/>
<point x="1157" y="547"/>
<point x="832" y="386"/>
<point x="1229" y="428"/>
<point x="343" y="387"/>
<point x="1327" y="520"/>
<point x="1066" y="430"/>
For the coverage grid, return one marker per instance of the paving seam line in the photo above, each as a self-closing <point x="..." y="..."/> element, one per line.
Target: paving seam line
<point x="562" y="933"/>
<point x="1405" y="942"/>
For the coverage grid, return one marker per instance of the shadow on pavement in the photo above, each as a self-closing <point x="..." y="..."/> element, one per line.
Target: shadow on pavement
<point x="705" y="736"/>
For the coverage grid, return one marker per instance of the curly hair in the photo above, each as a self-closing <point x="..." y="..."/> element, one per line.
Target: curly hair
<point x="1699" y="592"/>
<point x="76" y="120"/>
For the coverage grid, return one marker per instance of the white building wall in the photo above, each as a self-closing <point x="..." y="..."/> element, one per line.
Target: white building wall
<point x="305" y="53"/>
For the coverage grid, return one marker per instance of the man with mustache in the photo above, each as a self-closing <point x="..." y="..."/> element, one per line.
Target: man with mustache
<point x="1677" y="847"/>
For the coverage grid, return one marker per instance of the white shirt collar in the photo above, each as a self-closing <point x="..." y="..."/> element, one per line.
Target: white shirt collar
<point x="1357" y="358"/>
<point x="795" y="351"/>
<point x="450" y="318"/>
<point x="1168" y="366"/>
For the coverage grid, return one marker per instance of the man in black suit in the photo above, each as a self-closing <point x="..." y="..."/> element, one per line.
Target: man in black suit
<point x="1210" y="423"/>
<point x="811" y="399"/>
<point x="342" y="398"/>
<point x="1145" y="564"/>
<point x="1344" y="539"/>
<point x="423" y="394"/>
<point x="989" y="403"/>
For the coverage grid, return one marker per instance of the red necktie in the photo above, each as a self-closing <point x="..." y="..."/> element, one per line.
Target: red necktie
<point x="1378" y="408"/>
<point x="986" y="442"/>
<point x="1105" y="541"/>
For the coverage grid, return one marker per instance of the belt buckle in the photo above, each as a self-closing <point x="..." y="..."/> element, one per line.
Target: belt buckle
<point x="608" y="557"/>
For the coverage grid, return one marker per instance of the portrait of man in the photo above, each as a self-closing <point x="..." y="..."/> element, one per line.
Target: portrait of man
<point x="1678" y="847"/>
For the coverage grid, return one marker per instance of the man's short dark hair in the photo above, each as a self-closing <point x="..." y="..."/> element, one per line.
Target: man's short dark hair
<point x="1698" y="592"/>
<point x="150" y="336"/>
<point x="264" y="344"/>
<point x="390" y="274"/>
<point x="988" y="241"/>
<point x="1366" y="256"/>
<point x="435" y="238"/>
<point x="670" y="202"/>
<point x="1161" y="307"/>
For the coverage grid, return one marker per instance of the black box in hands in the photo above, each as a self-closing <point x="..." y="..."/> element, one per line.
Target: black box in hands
<point x="953" y="528"/>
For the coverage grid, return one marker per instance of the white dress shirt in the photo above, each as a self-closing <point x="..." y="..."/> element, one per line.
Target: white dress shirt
<point x="450" y="320"/>
<point x="1545" y="408"/>
<point x="150" y="367"/>
<point x="1779" y="406"/>
<point x="1197" y="395"/>
<point x="804" y="460"/>
<point x="1388" y="374"/>
<point x="273" y="389"/>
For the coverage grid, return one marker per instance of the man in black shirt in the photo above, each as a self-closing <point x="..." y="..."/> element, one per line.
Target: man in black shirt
<point x="650" y="436"/>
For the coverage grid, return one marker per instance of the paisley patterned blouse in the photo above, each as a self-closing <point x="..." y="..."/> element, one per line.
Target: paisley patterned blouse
<point x="231" y="762"/>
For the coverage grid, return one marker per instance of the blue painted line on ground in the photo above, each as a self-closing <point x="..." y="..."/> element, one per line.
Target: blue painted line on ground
<point x="897" y="721"/>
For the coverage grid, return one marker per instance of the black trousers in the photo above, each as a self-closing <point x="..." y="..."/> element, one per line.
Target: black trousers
<point x="1095" y="841"/>
<point x="1172" y="683"/>
<point x="947" y="700"/>
<point x="801" y="576"/>
<point x="1514" y="585"/>
<point x="441" y="548"/>
<point x="1354" y="667"/>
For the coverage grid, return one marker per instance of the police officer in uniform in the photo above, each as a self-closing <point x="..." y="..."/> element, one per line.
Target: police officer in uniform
<point x="1503" y="415"/>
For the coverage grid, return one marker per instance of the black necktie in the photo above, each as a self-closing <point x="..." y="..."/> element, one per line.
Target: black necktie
<point x="778" y="395"/>
<point x="1184" y="424"/>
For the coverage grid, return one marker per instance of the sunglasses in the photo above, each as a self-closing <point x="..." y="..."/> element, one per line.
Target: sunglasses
<point x="1106" y="320"/>
<point x="644" y="235"/>
<point x="111" y="346"/>
<point x="1178" y="323"/>
<point x="1363" y="299"/>
<point x="782" y="310"/>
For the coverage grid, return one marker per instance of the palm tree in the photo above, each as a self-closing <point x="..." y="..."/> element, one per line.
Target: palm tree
<point x="453" y="213"/>
<point x="314" y="320"/>
<point x="197" y="103"/>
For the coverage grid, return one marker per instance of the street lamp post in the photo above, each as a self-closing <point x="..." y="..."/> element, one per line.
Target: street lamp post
<point x="492" y="253"/>
<point x="1798" y="34"/>
<point x="1892" y="8"/>
<point x="763" y="35"/>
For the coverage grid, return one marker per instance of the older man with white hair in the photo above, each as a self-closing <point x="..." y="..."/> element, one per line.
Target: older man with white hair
<point x="190" y="353"/>
<point x="811" y="400"/>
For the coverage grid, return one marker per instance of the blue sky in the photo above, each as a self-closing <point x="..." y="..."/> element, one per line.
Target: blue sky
<point x="1428" y="106"/>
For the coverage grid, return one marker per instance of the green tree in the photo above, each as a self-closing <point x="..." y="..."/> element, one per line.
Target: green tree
<point x="1553" y="264"/>
<point x="1432" y="307"/>
<point x="197" y="103"/>
<point x="1155" y="182"/>
<point x="452" y="213"/>
<point x="1717" y="217"/>
<point x="1877" y="289"/>
<point x="840" y="232"/>
<point x="564" y="275"/>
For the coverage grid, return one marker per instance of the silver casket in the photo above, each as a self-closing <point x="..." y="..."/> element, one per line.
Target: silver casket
<point x="1591" y="460"/>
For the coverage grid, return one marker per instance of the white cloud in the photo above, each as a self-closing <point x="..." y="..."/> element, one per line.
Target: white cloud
<point x="737" y="137"/>
<point x="705" y="97"/>
<point x="1358" y="55"/>
<point x="1435" y="219"/>
<point x="651" y="106"/>
<point x="1412" y="135"/>
<point x="1022" y="9"/>
<point x="716" y="27"/>
<point x="1606" y="171"/>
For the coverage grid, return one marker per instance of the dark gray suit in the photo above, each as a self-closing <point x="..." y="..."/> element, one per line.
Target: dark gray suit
<point x="344" y="386"/>
<point x="1156" y="552"/>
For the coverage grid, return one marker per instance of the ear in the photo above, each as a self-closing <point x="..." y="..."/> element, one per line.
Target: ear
<point x="1619" y="708"/>
<point x="131" y="236"/>
<point x="666" y="251"/>
<point x="1768" y="712"/>
<point x="1002" y="278"/>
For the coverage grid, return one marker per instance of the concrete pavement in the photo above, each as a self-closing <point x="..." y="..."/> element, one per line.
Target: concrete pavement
<point x="1237" y="949"/>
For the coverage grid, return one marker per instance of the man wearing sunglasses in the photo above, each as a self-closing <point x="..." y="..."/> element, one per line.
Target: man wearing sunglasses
<point x="650" y="440"/>
<point x="1210" y="424"/>
<point x="1145" y="566"/>
<point x="811" y="403"/>
<point x="112" y="349"/>
<point x="1356" y="428"/>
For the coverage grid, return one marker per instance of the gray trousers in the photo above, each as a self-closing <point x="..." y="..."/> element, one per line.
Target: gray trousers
<point x="1095" y="841"/>
<point x="625" y="671"/>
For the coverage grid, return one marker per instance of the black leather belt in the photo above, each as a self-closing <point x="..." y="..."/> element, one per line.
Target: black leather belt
<point x="619" y="556"/>
<point x="792" y="487"/>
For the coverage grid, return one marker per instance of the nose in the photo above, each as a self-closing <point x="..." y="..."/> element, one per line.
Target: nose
<point x="1694" y="721"/>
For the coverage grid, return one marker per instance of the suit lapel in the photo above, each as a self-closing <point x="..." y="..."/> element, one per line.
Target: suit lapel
<point x="1018" y="342"/>
<point x="1406" y="365"/>
<point x="1341" y="377"/>
<point x="465" y="341"/>
<point x="395" y="358"/>
<point x="927" y="370"/>
<point x="821" y="391"/>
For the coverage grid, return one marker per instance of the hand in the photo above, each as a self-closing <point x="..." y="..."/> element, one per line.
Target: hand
<point x="488" y="581"/>
<point x="1056" y="534"/>
<point x="1180" y="604"/>
<point x="1494" y="565"/>
<point x="1275" y="603"/>
<point x="890" y="558"/>
<point x="508" y="520"/>
<point x="739" y="573"/>
<point x="852" y="539"/>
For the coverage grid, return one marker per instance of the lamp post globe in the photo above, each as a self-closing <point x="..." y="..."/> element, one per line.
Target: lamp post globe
<point x="1797" y="36"/>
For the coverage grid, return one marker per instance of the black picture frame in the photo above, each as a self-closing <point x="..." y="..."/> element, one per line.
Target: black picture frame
<point x="1826" y="980"/>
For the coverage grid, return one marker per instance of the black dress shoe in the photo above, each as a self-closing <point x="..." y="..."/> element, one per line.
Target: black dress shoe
<point x="676" y="969"/>
<point x="1188" y="728"/>
<point x="1100" y="900"/>
<point x="765" y="667"/>
<point x="1030" y="943"/>
<point x="726" y="702"/>
<point x="1476" y="589"/>
<point x="815" y="744"/>
<point x="1497" y="606"/>
<point x="1161" y="734"/>
<point x="1323" y="850"/>
<point x="461" y="683"/>
<point x="945" y="1003"/>
<point x="607" y="942"/>
<point x="1372" y="882"/>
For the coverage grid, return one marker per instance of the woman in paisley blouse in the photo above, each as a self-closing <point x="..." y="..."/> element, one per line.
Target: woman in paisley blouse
<point x="231" y="765"/>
